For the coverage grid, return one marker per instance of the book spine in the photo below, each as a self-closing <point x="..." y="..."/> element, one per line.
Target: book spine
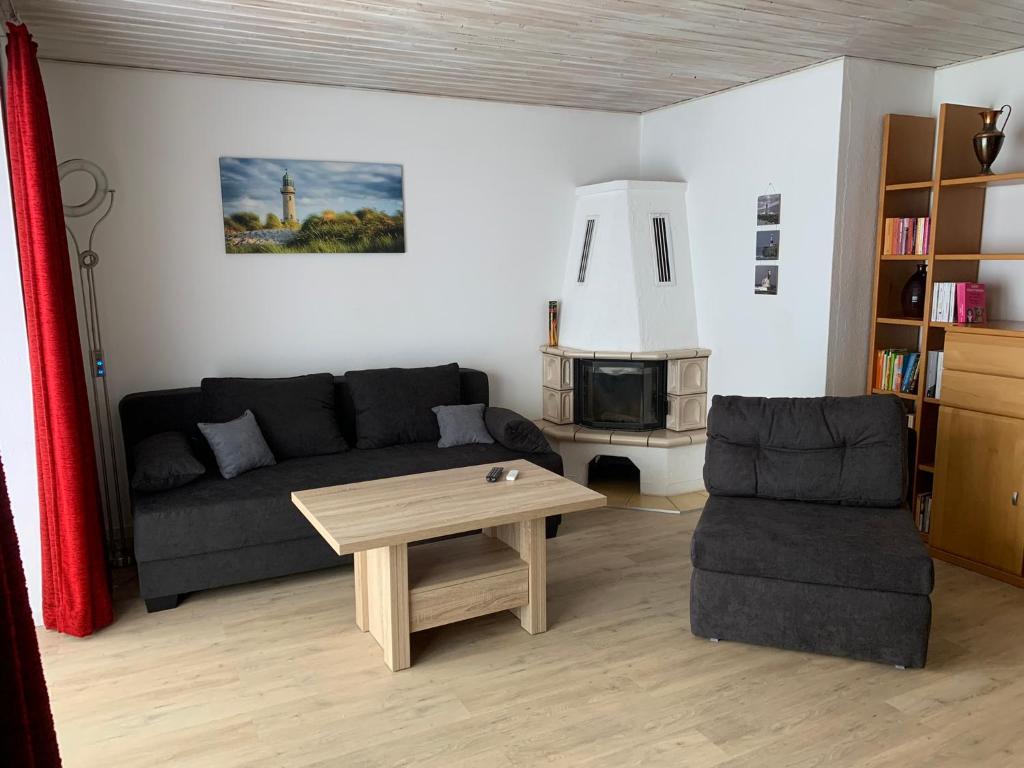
<point x="961" y="302"/>
<point x="929" y="380"/>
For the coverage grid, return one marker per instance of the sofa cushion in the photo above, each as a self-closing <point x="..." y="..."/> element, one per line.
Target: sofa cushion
<point x="297" y="414"/>
<point x="461" y="425"/>
<point x="164" y="461"/>
<point x="865" y="548"/>
<point x="237" y="445"/>
<point x="848" y="450"/>
<point x="515" y="432"/>
<point x="213" y="514"/>
<point x="393" y="405"/>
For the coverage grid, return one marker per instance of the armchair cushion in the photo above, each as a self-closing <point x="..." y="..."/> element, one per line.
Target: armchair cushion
<point x="864" y="548"/>
<point x="848" y="450"/>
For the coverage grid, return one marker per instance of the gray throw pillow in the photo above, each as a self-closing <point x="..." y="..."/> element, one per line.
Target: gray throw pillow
<point x="238" y="445"/>
<point x="461" y="425"/>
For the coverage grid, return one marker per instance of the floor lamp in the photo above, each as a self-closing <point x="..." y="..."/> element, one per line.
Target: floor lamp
<point x="118" y="535"/>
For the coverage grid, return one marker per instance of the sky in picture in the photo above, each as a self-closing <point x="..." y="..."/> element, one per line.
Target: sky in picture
<point x="254" y="184"/>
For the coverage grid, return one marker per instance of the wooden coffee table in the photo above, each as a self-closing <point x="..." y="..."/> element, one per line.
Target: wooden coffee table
<point x="399" y="590"/>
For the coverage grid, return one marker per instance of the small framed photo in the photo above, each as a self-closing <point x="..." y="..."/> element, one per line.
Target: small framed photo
<point x="767" y="248"/>
<point x="769" y="210"/>
<point x="766" y="280"/>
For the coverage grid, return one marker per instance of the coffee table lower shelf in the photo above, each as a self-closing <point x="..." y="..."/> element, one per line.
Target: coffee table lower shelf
<point x="401" y="590"/>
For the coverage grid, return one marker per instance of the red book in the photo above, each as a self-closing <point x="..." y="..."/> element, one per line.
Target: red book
<point x="970" y="302"/>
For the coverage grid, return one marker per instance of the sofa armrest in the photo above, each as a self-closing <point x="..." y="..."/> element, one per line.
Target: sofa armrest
<point x="515" y="432"/>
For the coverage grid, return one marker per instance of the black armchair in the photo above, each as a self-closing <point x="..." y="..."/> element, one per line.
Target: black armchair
<point x="805" y="542"/>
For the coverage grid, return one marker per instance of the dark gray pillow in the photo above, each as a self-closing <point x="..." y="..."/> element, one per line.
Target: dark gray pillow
<point x="238" y="445"/>
<point x="461" y="425"/>
<point x="393" y="405"/>
<point x="164" y="461"/>
<point x="296" y="415"/>
<point x="515" y="432"/>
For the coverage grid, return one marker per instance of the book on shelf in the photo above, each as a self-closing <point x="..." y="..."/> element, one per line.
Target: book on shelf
<point x="906" y="236"/>
<point x="958" y="303"/>
<point x="896" y="370"/>
<point x="933" y="376"/>
<point x="923" y="512"/>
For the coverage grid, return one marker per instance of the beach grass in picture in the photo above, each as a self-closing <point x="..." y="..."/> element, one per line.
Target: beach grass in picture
<point x="311" y="206"/>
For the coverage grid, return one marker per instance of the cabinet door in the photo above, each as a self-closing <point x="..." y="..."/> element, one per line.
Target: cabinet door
<point x="979" y="466"/>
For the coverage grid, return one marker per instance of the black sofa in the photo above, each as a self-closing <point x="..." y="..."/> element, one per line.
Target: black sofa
<point x="806" y="542"/>
<point x="215" y="532"/>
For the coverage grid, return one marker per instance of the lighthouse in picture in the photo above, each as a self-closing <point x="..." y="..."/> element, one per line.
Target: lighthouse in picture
<point x="288" y="199"/>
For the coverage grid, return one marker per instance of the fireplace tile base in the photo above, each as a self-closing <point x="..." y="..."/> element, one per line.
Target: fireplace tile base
<point x="670" y="462"/>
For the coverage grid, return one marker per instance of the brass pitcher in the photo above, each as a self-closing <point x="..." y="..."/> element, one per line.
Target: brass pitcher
<point x="989" y="140"/>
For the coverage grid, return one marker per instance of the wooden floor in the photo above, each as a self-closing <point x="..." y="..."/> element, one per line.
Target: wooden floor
<point x="276" y="674"/>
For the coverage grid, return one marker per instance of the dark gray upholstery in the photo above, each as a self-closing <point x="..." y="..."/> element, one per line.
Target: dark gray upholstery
<point x="514" y="432"/>
<point x="214" y="514"/>
<point x="393" y="405"/>
<point x="181" y="575"/>
<point x="215" y="532"/>
<point x="886" y="627"/>
<point x="165" y="461"/>
<point x="297" y="415"/>
<point x="805" y="543"/>
<point x="847" y="450"/>
<point x="865" y="548"/>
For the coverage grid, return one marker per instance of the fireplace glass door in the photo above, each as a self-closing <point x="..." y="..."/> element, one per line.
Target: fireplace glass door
<point x="620" y="394"/>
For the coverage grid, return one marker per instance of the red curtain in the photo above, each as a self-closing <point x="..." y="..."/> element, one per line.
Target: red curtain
<point x="76" y="597"/>
<point x="27" y="738"/>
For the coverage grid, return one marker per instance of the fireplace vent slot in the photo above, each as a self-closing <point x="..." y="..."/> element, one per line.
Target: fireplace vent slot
<point x="585" y="252"/>
<point x="661" y="249"/>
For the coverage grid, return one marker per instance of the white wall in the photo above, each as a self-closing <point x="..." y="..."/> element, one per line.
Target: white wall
<point x="871" y="89"/>
<point x="489" y="200"/>
<point x="993" y="82"/>
<point x="729" y="148"/>
<point x="17" y="429"/>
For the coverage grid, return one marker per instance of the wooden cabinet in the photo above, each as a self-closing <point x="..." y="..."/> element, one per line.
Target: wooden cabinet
<point x="978" y="510"/>
<point x="978" y="498"/>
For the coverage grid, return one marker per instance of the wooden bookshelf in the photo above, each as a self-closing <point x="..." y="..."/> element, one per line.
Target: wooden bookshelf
<point x="928" y="168"/>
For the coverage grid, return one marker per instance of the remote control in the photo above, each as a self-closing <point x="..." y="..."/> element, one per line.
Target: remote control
<point x="512" y="474"/>
<point x="495" y="474"/>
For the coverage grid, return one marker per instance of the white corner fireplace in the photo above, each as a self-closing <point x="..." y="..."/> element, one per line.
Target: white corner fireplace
<point x="627" y="377"/>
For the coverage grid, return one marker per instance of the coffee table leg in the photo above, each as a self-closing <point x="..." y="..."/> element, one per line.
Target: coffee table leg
<point x="529" y="539"/>
<point x="387" y="592"/>
<point x="533" y="549"/>
<point x="362" y="608"/>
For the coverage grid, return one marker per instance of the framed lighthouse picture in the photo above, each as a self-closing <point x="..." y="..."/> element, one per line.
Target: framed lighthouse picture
<point x="311" y="206"/>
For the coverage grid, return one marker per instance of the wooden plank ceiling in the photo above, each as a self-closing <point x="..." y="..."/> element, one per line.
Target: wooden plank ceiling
<point x="621" y="55"/>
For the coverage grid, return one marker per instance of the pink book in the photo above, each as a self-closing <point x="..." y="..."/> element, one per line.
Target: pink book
<point x="970" y="302"/>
